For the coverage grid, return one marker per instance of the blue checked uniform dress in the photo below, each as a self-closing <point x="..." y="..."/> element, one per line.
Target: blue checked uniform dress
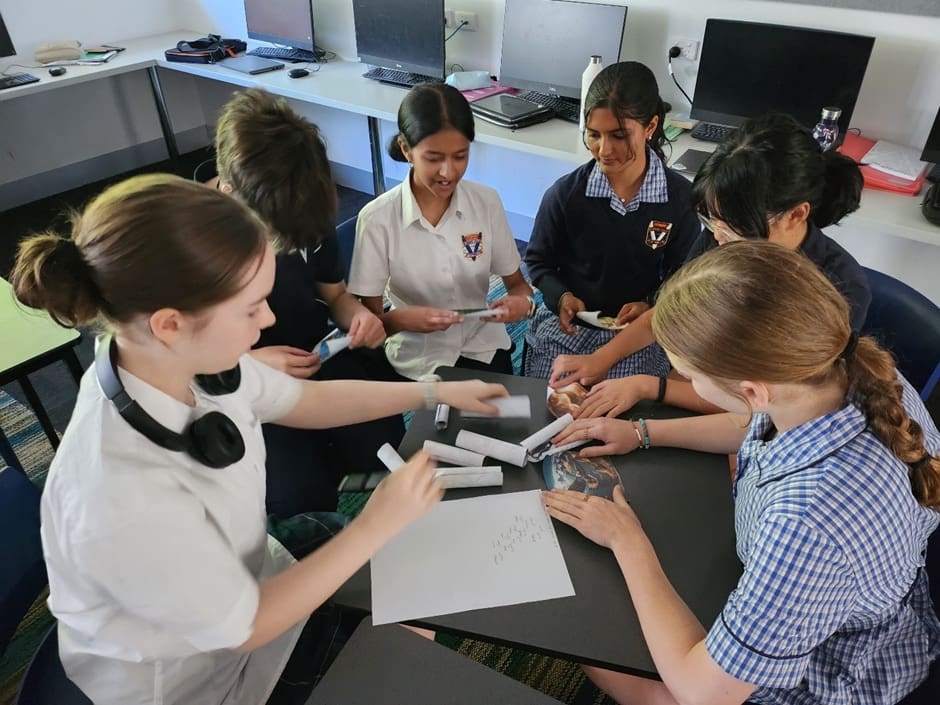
<point x="557" y="245"/>
<point x="833" y="606"/>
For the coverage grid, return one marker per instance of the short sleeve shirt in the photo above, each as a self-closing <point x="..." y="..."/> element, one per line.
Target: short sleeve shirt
<point x="445" y="266"/>
<point x="154" y="560"/>
<point x="833" y="605"/>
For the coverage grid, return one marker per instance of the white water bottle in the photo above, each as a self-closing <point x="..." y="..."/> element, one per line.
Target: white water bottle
<point x="593" y="68"/>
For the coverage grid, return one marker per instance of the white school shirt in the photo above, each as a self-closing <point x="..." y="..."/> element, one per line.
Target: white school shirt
<point x="446" y="266"/>
<point x="154" y="560"/>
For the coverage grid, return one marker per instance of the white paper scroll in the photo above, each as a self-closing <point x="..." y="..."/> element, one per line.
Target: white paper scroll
<point x="598" y="321"/>
<point x="484" y="314"/>
<point x="332" y="347"/>
<point x="519" y="407"/>
<point x="481" y="476"/>
<point x="545" y="435"/>
<point x="452" y="455"/>
<point x="390" y="457"/>
<point x="511" y="453"/>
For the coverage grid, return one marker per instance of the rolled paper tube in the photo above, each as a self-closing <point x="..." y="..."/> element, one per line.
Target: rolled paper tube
<point x="546" y="434"/>
<point x="390" y="457"/>
<point x="452" y="455"/>
<point x="511" y="453"/>
<point x="441" y="416"/>
<point x="466" y="470"/>
<point x="456" y="478"/>
<point x="332" y="347"/>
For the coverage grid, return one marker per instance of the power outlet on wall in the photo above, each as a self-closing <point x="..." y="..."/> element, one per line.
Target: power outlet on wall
<point x="449" y="19"/>
<point x="689" y="48"/>
<point x="469" y="17"/>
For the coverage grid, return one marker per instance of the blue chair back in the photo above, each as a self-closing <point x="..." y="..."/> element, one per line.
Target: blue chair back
<point x="22" y="570"/>
<point x="908" y="324"/>
<point x="22" y="579"/>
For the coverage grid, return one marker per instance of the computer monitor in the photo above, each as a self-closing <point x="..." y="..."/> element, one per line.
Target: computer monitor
<point x="932" y="148"/>
<point x="749" y="68"/>
<point x="6" y="44"/>
<point x="547" y="44"/>
<point x="288" y="22"/>
<point x="407" y="35"/>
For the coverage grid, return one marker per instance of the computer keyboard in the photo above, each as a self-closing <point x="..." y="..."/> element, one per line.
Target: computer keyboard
<point x="710" y="132"/>
<point x="12" y="80"/>
<point x="399" y="78"/>
<point x="567" y="109"/>
<point x="285" y="54"/>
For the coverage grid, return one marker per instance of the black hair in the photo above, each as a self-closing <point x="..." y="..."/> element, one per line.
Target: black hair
<point x="426" y="110"/>
<point x="629" y="90"/>
<point x="768" y="165"/>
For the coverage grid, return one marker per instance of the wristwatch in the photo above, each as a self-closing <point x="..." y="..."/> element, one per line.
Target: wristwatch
<point x="429" y="390"/>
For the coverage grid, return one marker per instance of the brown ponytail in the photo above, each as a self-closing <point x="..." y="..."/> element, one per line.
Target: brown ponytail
<point x="877" y="391"/>
<point x="759" y="311"/>
<point x="150" y="242"/>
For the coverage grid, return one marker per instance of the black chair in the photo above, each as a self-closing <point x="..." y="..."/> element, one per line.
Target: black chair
<point x="908" y="324"/>
<point x="22" y="579"/>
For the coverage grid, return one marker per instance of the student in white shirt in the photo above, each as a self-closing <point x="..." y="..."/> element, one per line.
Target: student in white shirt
<point x="432" y="243"/>
<point x="165" y="586"/>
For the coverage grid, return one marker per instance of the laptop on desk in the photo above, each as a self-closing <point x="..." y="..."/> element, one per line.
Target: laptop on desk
<point x="509" y="111"/>
<point x="251" y="64"/>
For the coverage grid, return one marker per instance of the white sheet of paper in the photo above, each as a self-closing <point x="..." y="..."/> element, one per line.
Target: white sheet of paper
<point x="470" y="554"/>
<point x="518" y="406"/>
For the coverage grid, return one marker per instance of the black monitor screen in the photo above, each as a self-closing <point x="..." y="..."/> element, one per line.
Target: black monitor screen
<point x="6" y="44"/>
<point x="932" y="148"/>
<point x="407" y="35"/>
<point x="749" y="68"/>
<point x="287" y="22"/>
<point x="547" y="44"/>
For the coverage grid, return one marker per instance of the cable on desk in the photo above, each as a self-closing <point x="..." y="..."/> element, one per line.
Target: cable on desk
<point x="673" y="53"/>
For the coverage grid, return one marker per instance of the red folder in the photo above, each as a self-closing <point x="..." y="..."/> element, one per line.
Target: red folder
<point x="857" y="147"/>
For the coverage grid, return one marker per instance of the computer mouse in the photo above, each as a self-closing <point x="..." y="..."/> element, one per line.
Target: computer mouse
<point x="57" y="71"/>
<point x="298" y="73"/>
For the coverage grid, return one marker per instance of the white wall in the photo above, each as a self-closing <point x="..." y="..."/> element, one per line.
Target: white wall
<point x="40" y="135"/>
<point x="111" y="121"/>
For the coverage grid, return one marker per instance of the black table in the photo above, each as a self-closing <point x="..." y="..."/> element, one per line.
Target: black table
<point x="391" y="665"/>
<point x="683" y="500"/>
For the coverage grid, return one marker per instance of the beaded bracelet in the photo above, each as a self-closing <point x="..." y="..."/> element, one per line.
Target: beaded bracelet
<point x="643" y="438"/>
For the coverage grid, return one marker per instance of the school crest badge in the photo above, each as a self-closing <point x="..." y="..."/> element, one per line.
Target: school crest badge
<point x="657" y="233"/>
<point x="472" y="244"/>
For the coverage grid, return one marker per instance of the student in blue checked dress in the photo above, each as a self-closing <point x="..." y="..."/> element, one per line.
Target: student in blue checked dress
<point x="836" y="493"/>
<point x="607" y="234"/>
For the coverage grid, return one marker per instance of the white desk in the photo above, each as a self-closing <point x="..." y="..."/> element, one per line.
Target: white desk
<point x="339" y="84"/>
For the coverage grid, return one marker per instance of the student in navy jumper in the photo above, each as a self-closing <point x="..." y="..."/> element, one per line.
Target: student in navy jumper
<point x="768" y="180"/>
<point x="273" y="160"/>
<point x="609" y="233"/>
